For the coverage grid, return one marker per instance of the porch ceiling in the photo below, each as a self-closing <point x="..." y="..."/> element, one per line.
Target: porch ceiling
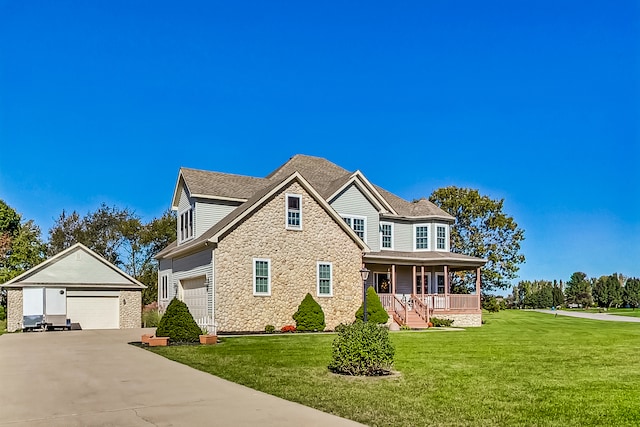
<point x="428" y="258"/>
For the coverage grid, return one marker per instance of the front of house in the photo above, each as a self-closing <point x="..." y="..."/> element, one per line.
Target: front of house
<point x="249" y="249"/>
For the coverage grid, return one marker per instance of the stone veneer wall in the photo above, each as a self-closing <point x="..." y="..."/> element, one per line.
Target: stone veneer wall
<point x="462" y="320"/>
<point x="294" y="256"/>
<point x="14" y="309"/>
<point x="131" y="312"/>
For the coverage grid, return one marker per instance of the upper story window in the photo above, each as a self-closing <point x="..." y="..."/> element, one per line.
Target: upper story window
<point x="186" y="225"/>
<point x="294" y="211"/>
<point x="325" y="280"/>
<point x="164" y="287"/>
<point x="358" y="224"/>
<point x="441" y="236"/>
<point x="386" y="235"/>
<point x="421" y="236"/>
<point x="261" y="277"/>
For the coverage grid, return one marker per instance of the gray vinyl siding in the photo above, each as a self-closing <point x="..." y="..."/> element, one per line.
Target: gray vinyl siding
<point x="185" y="202"/>
<point x="164" y="269"/>
<point x="403" y="236"/>
<point x="404" y="280"/>
<point x="208" y="214"/>
<point x="192" y="266"/>
<point x="352" y="202"/>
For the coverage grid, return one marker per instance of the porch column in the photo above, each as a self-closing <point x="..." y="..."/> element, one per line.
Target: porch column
<point x="393" y="279"/>
<point x="446" y="286"/>
<point x="424" y="283"/>
<point x="413" y="292"/>
<point x="478" y="283"/>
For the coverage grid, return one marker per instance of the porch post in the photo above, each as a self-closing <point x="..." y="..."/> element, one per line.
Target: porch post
<point x="413" y="292"/>
<point x="446" y="286"/>
<point x="478" y="283"/>
<point x="393" y="279"/>
<point x="422" y="281"/>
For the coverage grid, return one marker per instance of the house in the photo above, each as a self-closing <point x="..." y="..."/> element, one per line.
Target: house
<point x="76" y="284"/>
<point x="249" y="249"/>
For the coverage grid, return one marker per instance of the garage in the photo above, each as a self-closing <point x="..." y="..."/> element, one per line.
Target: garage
<point x="194" y="295"/>
<point x="76" y="288"/>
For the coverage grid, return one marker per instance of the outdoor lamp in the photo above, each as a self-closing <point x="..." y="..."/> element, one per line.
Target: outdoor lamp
<point x="364" y="272"/>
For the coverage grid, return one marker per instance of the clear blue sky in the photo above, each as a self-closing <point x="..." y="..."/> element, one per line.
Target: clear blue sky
<point x="536" y="102"/>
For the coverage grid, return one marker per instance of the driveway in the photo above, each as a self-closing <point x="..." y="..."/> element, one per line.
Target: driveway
<point x="593" y="316"/>
<point x="94" y="378"/>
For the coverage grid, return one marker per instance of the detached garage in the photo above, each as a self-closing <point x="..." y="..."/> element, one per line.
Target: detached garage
<point x="76" y="287"/>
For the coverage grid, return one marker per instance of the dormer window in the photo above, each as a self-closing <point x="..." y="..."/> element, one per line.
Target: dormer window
<point x="441" y="237"/>
<point x="294" y="211"/>
<point x="186" y="225"/>
<point x="421" y="237"/>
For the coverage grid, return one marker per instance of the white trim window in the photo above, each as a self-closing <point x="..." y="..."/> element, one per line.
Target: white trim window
<point x="261" y="277"/>
<point x="386" y="235"/>
<point x="421" y="237"/>
<point x="441" y="237"/>
<point x="324" y="277"/>
<point x="427" y="276"/>
<point x="357" y="224"/>
<point x="439" y="283"/>
<point x="293" y="211"/>
<point x="164" y="287"/>
<point x="185" y="222"/>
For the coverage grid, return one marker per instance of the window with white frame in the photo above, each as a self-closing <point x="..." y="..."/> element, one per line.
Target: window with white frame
<point x="164" y="287"/>
<point x="325" y="279"/>
<point x="386" y="235"/>
<point x="357" y="224"/>
<point x="427" y="283"/>
<point x="186" y="225"/>
<point x="261" y="276"/>
<point x="441" y="236"/>
<point x="421" y="237"/>
<point x="294" y="211"/>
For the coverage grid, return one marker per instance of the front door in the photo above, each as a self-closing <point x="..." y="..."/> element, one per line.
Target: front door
<point x="383" y="284"/>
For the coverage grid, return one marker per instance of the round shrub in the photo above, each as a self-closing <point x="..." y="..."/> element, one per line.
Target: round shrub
<point x="269" y="329"/>
<point x="362" y="349"/>
<point x="177" y="323"/>
<point x="309" y="316"/>
<point x="375" y="311"/>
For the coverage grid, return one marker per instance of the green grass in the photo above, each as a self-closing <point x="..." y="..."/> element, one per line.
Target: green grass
<point x="624" y="312"/>
<point x="520" y="369"/>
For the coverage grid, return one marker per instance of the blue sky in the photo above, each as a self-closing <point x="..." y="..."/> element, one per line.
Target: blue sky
<point x="536" y="102"/>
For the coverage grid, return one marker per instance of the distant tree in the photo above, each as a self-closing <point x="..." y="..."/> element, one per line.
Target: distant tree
<point x="558" y="295"/>
<point x="483" y="230"/>
<point x="578" y="290"/>
<point x="607" y="291"/>
<point x="490" y="304"/>
<point x="632" y="292"/>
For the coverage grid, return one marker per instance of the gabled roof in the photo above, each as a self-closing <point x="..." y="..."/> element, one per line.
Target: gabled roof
<point x="76" y="266"/>
<point x="215" y="233"/>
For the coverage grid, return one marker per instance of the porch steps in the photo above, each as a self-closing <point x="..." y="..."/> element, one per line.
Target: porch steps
<point x="414" y="321"/>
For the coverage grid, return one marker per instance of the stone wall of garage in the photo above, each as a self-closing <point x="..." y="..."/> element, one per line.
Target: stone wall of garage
<point x="14" y="309"/>
<point x="130" y="309"/>
<point x="293" y="255"/>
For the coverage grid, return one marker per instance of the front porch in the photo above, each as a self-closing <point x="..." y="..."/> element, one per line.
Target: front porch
<point x="414" y="287"/>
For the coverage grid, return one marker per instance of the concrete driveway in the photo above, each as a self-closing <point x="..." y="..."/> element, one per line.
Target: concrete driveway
<point x="94" y="378"/>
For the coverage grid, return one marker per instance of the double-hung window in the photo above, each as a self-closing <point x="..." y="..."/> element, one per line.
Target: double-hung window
<point x="261" y="277"/>
<point x="294" y="211"/>
<point x="441" y="237"/>
<point x="164" y="287"/>
<point x="325" y="279"/>
<point x="421" y="237"/>
<point x="186" y="225"/>
<point x="357" y="224"/>
<point x="386" y="235"/>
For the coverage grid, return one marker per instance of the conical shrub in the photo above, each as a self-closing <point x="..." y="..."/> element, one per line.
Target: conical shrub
<point x="309" y="316"/>
<point x="375" y="311"/>
<point x="177" y="323"/>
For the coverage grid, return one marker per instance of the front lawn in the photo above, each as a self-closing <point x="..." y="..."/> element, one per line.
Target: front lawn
<point x="521" y="368"/>
<point x="625" y="312"/>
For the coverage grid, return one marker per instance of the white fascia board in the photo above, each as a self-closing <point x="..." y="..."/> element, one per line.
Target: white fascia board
<point x="176" y="191"/>
<point x="222" y="198"/>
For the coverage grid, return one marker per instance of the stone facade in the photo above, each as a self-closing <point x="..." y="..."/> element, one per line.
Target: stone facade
<point x="293" y="256"/>
<point x="14" y="309"/>
<point x="462" y="320"/>
<point x="130" y="309"/>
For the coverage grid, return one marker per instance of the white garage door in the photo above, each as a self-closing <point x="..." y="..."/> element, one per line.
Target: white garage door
<point x="194" y="293"/>
<point x="94" y="312"/>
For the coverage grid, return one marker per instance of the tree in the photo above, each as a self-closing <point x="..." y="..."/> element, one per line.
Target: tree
<point x="578" y="290"/>
<point x="632" y="292"/>
<point x="375" y="311"/>
<point x="607" y="291"/>
<point x="482" y="230"/>
<point x="309" y="316"/>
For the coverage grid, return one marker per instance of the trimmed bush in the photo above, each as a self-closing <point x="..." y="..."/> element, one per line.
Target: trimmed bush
<point x="288" y="328"/>
<point x="177" y="323"/>
<point x="362" y="349"/>
<point x="269" y="329"/>
<point x="309" y="316"/>
<point x="375" y="311"/>
<point x="441" y="322"/>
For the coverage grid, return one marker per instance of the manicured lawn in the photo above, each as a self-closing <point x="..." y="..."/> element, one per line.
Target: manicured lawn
<point x="520" y="369"/>
<point x="625" y="312"/>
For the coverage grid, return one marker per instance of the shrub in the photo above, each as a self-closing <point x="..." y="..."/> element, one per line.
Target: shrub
<point x="309" y="316"/>
<point x="269" y="329"/>
<point x="441" y="322"/>
<point x="150" y="318"/>
<point x="375" y="311"/>
<point x="178" y="324"/>
<point x="288" y="328"/>
<point x="490" y="303"/>
<point x="405" y="328"/>
<point x="3" y="314"/>
<point x="362" y="349"/>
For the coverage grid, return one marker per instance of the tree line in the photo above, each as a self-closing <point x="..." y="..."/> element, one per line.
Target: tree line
<point x="615" y="290"/>
<point x="119" y="235"/>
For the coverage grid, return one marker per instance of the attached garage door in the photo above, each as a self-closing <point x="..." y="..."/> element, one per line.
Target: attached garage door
<point x="94" y="312"/>
<point x="195" y="296"/>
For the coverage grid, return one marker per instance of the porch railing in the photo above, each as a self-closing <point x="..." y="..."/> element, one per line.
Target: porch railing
<point x="400" y="310"/>
<point x="421" y="308"/>
<point x="207" y="323"/>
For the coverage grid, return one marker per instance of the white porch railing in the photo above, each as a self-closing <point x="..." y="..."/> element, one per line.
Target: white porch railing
<point x="208" y="324"/>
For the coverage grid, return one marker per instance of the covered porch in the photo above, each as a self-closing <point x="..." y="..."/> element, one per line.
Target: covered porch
<point x="415" y="286"/>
